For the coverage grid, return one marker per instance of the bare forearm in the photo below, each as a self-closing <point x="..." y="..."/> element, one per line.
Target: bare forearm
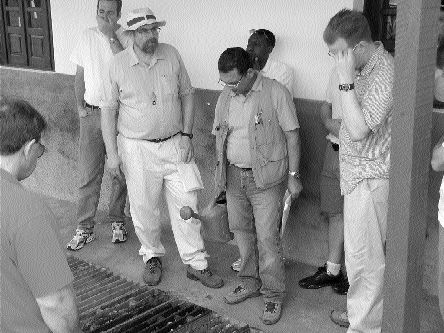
<point x="59" y="311"/>
<point x="438" y="156"/>
<point x="79" y="86"/>
<point x="108" y="122"/>
<point x="188" y="112"/>
<point x="294" y="149"/>
<point x="353" y="117"/>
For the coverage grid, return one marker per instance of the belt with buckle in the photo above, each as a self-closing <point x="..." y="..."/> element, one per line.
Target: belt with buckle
<point x="161" y="140"/>
<point x="335" y="146"/>
<point x="92" y="107"/>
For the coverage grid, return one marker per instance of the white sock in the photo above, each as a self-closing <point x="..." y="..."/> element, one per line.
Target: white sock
<point x="333" y="269"/>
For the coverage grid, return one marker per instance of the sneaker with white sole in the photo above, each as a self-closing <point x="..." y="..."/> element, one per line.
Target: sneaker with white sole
<point x="240" y="294"/>
<point x="120" y="234"/>
<point x="80" y="239"/>
<point x="272" y="312"/>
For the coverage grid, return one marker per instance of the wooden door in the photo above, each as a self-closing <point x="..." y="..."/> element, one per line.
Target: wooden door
<point x="37" y="34"/>
<point x="14" y="32"/>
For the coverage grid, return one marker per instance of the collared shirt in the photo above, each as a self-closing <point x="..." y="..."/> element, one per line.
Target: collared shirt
<point x="370" y="157"/>
<point x="148" y="96"/>
<point x="333" y="97"/>
<point x="280" y="72"/>
<point x="93" y="53"/>
<point x="33" y="262"/>
<point x="240" y="112"/>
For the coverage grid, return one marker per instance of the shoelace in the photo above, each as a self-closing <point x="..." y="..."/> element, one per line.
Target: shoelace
<point x="153" y="265"/>
<point x="238" y="289"/>
<point x="206" y="271"/>
<point x="270" y="307"/>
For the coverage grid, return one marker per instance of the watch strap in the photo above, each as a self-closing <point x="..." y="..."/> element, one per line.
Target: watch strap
<point x="190" y="135"/>
<point x="346" y="86"/>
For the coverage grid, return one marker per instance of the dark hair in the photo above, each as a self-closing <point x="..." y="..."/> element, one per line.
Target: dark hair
<point x="234" y="57"/>
<point x="440" y="56"/>
<point x="350" y="25"/>
<point x="119" y="5"/>
<point x="269" y="36"/>
<point x="19" y="124"/>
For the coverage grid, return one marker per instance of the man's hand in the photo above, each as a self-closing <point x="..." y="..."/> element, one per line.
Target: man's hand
<point x="186" y="149"/>
<point x="294" y="187"/>
<point x="113" y="163"/>
<point x="82" y="111"/>
<point x="345" y="63"/>
<point x="108" y="28"/>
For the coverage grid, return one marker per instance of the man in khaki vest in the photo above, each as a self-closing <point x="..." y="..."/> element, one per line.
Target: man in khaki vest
<point x="258" y="151"/>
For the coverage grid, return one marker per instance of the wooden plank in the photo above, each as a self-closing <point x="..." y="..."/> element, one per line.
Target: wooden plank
<point x="416" y="38"/>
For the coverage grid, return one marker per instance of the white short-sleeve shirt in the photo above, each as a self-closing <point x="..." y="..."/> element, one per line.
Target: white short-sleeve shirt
<point x="93" y="53"/>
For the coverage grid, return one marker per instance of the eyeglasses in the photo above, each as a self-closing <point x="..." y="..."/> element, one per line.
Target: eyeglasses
<point x="332" y="54"/>
<point x="230" y="85"/>
<point x="146" y="31"/>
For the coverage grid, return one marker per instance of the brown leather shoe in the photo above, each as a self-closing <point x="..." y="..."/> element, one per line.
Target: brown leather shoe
<point x="240" y="294"/>
<point x="153" y="272"/>
<point x="205" y="276"/>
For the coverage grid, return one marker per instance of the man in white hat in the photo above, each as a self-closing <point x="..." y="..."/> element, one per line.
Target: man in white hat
<point x="152" y="93"/>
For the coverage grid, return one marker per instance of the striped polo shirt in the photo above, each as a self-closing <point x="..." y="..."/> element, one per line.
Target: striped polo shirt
<point x="370" y="157"/>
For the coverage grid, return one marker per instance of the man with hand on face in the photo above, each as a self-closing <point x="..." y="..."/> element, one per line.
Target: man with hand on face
<point x="258" y="152"/>
<point x="36" y="282"/>
<point x="364" y="155"/>
<point x="92" y="55"/>
<point x="150" y="88"/>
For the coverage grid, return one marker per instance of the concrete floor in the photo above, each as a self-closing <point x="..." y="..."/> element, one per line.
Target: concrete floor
<point x="304" y="311"/>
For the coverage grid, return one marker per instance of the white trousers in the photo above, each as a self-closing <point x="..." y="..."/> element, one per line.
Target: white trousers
<point x="151" y="169"/>
<point x="365" y="225"/>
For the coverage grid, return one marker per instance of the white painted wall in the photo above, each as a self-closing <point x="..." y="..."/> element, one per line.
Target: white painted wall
<point x="201" y="30"/>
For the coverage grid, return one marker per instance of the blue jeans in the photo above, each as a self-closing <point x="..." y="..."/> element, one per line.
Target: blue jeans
<point x="254" y="216"/>
<point x="91" y="165"/>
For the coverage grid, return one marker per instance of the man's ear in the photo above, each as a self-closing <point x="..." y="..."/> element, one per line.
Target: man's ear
<point x="27" y="147"/>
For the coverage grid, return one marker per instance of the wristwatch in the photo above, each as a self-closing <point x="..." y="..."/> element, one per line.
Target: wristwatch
<point x="346" y="86"/>
<point x="190" y="135"/>
<point x="295" y="174"/>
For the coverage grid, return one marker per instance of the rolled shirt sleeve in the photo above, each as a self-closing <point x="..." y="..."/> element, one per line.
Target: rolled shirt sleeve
<point x="286" y="110"/>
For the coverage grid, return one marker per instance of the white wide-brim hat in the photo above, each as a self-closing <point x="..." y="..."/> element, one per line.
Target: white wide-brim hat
<point x="142" y="16"/>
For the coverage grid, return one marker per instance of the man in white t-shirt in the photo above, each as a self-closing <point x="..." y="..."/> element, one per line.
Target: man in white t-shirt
<point x="92" y="54"/>
<point x="260" y="45"/>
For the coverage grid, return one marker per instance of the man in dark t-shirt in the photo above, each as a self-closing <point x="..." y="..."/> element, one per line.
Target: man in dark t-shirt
<point x="36" y="291"/>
